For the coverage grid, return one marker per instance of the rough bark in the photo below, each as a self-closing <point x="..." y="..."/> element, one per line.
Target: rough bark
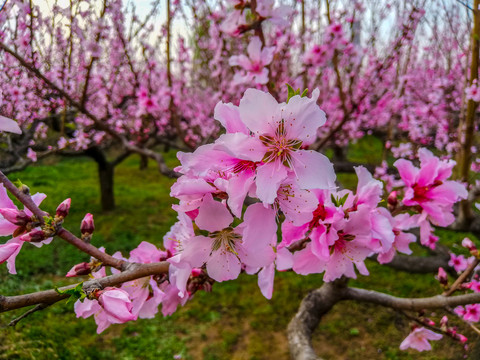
<point x="313" y="307"/>
<point x="106" y="172"/>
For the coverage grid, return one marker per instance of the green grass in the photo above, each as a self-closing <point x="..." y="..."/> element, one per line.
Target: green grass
<point x="233" y="322"/>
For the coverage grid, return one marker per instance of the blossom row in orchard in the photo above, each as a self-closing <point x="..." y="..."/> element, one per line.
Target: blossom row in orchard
<point x="236" y="193"/>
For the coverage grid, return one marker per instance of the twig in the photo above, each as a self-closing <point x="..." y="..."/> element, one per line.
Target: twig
<point x="463" y="276"/>
<point x="31" y="311"/>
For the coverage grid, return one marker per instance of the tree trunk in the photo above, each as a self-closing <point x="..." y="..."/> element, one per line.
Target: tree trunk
<point x="465" y="214"/>
<point x="105" y="175"/>
<point x="143" y="162"/>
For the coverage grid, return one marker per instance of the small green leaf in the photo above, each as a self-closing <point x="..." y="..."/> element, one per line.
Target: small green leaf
<point x="334" y="200"/>
<point x="291" y="92"/>
<point x="343" y="199"/>
<point x="18" y="183"/>
<point x="354" y="331"/>
<point x="75" y="293"/>
<point x="305" y="93"/>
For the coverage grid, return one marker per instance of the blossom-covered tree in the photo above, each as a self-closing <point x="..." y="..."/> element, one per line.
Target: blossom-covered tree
<point x="255" y="195"/>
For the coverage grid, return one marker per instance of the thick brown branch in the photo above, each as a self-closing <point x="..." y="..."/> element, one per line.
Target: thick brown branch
<point x="134" y="271"/>
<point x="319" y="302"/>
<point x="414" y="304"/>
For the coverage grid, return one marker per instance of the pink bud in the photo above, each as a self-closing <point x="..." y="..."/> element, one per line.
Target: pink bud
<point x="14" y="216"/>
<point x="462" y="338"/>
<point x="63" y="208"/>
<point x="442" y="276"/>
<point x="36" y="235"/>
<point x="467" y="243"/>
<point x="79" y="270"/>
<point x="392" y="199"/>
<point x="196" y="272"/>
<point x="116" y="304"/>
<point x="444" y="321"/>
<point x="87" y="226"/>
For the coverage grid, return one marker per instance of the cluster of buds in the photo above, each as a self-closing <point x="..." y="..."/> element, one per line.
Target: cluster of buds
<point x="451" y="331"/>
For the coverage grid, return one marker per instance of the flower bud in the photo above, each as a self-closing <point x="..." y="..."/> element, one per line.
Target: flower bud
<point x="79" y="270"/>
<point x="442" y="276"/>
<point x="116" y="304"/>
<point x="14" y="216"/>
<point x="36" y="235"/>
<point x="63" y="208"/>
<point x="196" y="272"/>
<point x="392" y="199"/>
<point x="463" y="339"/>
<point x="444" y="322"/>
<point x="467" y="243"/>
<point x="87" y="226"/>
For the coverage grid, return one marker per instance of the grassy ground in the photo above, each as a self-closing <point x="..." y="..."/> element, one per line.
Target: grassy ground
<point x="232" y="322"/>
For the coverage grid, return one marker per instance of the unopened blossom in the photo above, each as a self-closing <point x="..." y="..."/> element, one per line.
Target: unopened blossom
<point x="254" y="66"/>
<point x="116" y="304"/>
<point x="87" y="225"/>
<point x="418" y="339"/>
<point x="8" y="125"/>
<point x="79" y="270"/>
<point x="63" y="208"/>
<point x="467" y="243"/>
<point x="442" y="276"/>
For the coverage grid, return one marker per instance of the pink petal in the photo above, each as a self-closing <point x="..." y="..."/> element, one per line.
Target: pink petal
<point x="313" y="170"/>
<point x="260" y="112"/>
<point x="269" y="178"/>
<point x="241" y="146"/>
<point x="254" y="49"/>
<point x="407" y="171"/>
<point x="229" y="116"/>
<point x="223" y="265"/>
<point x="9" y="125"/>
<point x="265" y="280"/>
<point x="213" y="215"/>
<point x="303" y="117"/>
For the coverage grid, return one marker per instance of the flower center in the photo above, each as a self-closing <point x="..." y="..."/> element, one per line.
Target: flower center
<point x="225" y="239"/>
<point x="280" y="147"/>
<point x="320" y="213"/>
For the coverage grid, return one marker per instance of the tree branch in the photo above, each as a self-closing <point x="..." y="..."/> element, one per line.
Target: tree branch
<point x="48" y="297"/>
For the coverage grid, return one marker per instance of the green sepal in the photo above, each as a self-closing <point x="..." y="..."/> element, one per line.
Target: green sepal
<point x="292" y="92"/>
<point x="18" y="183"/>
<point x="49" y="221"/>
<point x="75" y="293"/>
<point x="339" y="201"/>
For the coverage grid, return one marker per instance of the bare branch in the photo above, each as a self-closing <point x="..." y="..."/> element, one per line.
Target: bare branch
<point x="29" y="312"/>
